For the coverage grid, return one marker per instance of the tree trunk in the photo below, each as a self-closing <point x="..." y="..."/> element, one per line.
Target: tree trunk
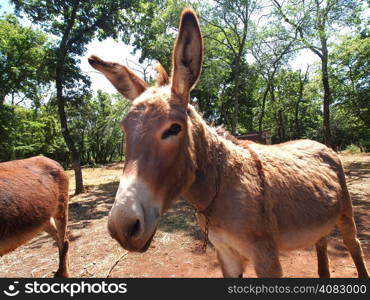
<point x="296" y="121"/>
<point x="278" y="126"/>
<point x="235" y="116"/>
<point x="296" y="112"/>
<point x="122" y="146"/>
<point x="279" y="116"/>
<point x="327" y="94"/>
<point x="65" y="132"/>
<point x="281" y="126"/>
<point x="263" y="107"/>
<point x="82" y="148"/>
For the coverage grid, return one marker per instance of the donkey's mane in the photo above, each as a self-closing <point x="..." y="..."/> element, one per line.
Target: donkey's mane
<point x="223" y="132"/>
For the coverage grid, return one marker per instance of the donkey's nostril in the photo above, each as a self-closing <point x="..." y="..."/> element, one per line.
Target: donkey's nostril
<point x="134" y="229"/>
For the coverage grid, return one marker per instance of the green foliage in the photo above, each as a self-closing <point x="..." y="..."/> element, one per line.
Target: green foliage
<point x="153" y="26"/>
<point x="351" y="75"/>
<point x="315" y="21"/>
<point x="350" y="69"/>
<point x="247" y="82"/>
<point x="23" y="52"/>
<point x="27" y="132"/>
<point x="294" y="111"/>
<point x="96" y="128"/>
<point x="73" y="24"/>
<point x="353" y="149"/>
<point x="7" y="133"/>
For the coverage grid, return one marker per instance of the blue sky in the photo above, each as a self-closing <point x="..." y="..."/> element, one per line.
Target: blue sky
<point x="6" y="7"/>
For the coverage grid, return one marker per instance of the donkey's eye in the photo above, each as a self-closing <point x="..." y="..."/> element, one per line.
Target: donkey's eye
<point x="173" y="130"/>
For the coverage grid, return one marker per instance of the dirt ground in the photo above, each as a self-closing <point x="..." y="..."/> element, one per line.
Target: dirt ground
<point x="176" y="249"/>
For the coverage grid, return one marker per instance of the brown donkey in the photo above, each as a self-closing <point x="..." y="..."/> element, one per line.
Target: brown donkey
<point x="253" y="199"/>
<point x="34" y="197"/>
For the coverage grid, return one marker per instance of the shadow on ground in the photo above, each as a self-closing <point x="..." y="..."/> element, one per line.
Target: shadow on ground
<point x="92" y="205"/>
<point x="357" y="170"/>
<point x="181" y="217"/>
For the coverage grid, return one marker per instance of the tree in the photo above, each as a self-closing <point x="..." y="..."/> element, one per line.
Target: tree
<point x="350" y="68"/>
<point x="315" y="21"/>
<point x="23" y="74"/>
<point x="26" y="132"/>
<point x="96" y="127"/>
<point x="293" y="108"/>
<point x="154" y="29"/>
<point x="229" y="25"/>
<point x="302" y="81"/>
<point x="104" y="132"/>
<point x="271" y="50"/>
<point x="74" y="23"/>
<point x="289" y="96"/>
<point x="23" y="52"/>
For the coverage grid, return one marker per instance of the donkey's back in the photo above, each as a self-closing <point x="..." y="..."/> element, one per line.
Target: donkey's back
<point x="33" y="197"/>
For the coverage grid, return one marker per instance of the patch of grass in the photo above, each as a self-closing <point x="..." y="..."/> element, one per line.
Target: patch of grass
<point x="180" y="217"/>
<point x="353" y="149"/>
<point x="172" y="223"/>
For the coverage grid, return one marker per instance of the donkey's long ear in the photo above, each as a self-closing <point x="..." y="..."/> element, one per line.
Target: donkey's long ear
<point x="123" y="79"/>
<point x="187" y="55"/>
<point x="162" y="76"/>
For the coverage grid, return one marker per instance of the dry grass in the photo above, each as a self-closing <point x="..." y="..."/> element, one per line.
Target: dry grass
<point x="348" y="157"/>
<point x="97" y="176"/>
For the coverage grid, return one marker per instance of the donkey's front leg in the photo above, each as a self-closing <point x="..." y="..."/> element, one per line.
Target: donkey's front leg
<point x="231" y="263"/>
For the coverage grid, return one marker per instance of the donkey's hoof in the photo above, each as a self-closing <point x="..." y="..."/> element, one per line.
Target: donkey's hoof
<point x="61" y="274"/>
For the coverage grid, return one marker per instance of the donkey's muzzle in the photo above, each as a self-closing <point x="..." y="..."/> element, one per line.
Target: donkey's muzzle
<point x="129" y="235"/>
<point x="130" y="232"/>
<point x="134" y="216"/>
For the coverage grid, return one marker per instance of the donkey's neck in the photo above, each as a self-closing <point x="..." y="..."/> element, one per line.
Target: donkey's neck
<point x="217" y="161"/>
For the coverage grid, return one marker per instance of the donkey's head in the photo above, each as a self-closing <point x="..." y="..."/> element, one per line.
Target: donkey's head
<point x="160" y="161"/>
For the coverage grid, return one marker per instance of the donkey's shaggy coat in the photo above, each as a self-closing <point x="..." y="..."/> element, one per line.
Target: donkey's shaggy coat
<point x="34" y="197"/>
<point x="258" y="199"/>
